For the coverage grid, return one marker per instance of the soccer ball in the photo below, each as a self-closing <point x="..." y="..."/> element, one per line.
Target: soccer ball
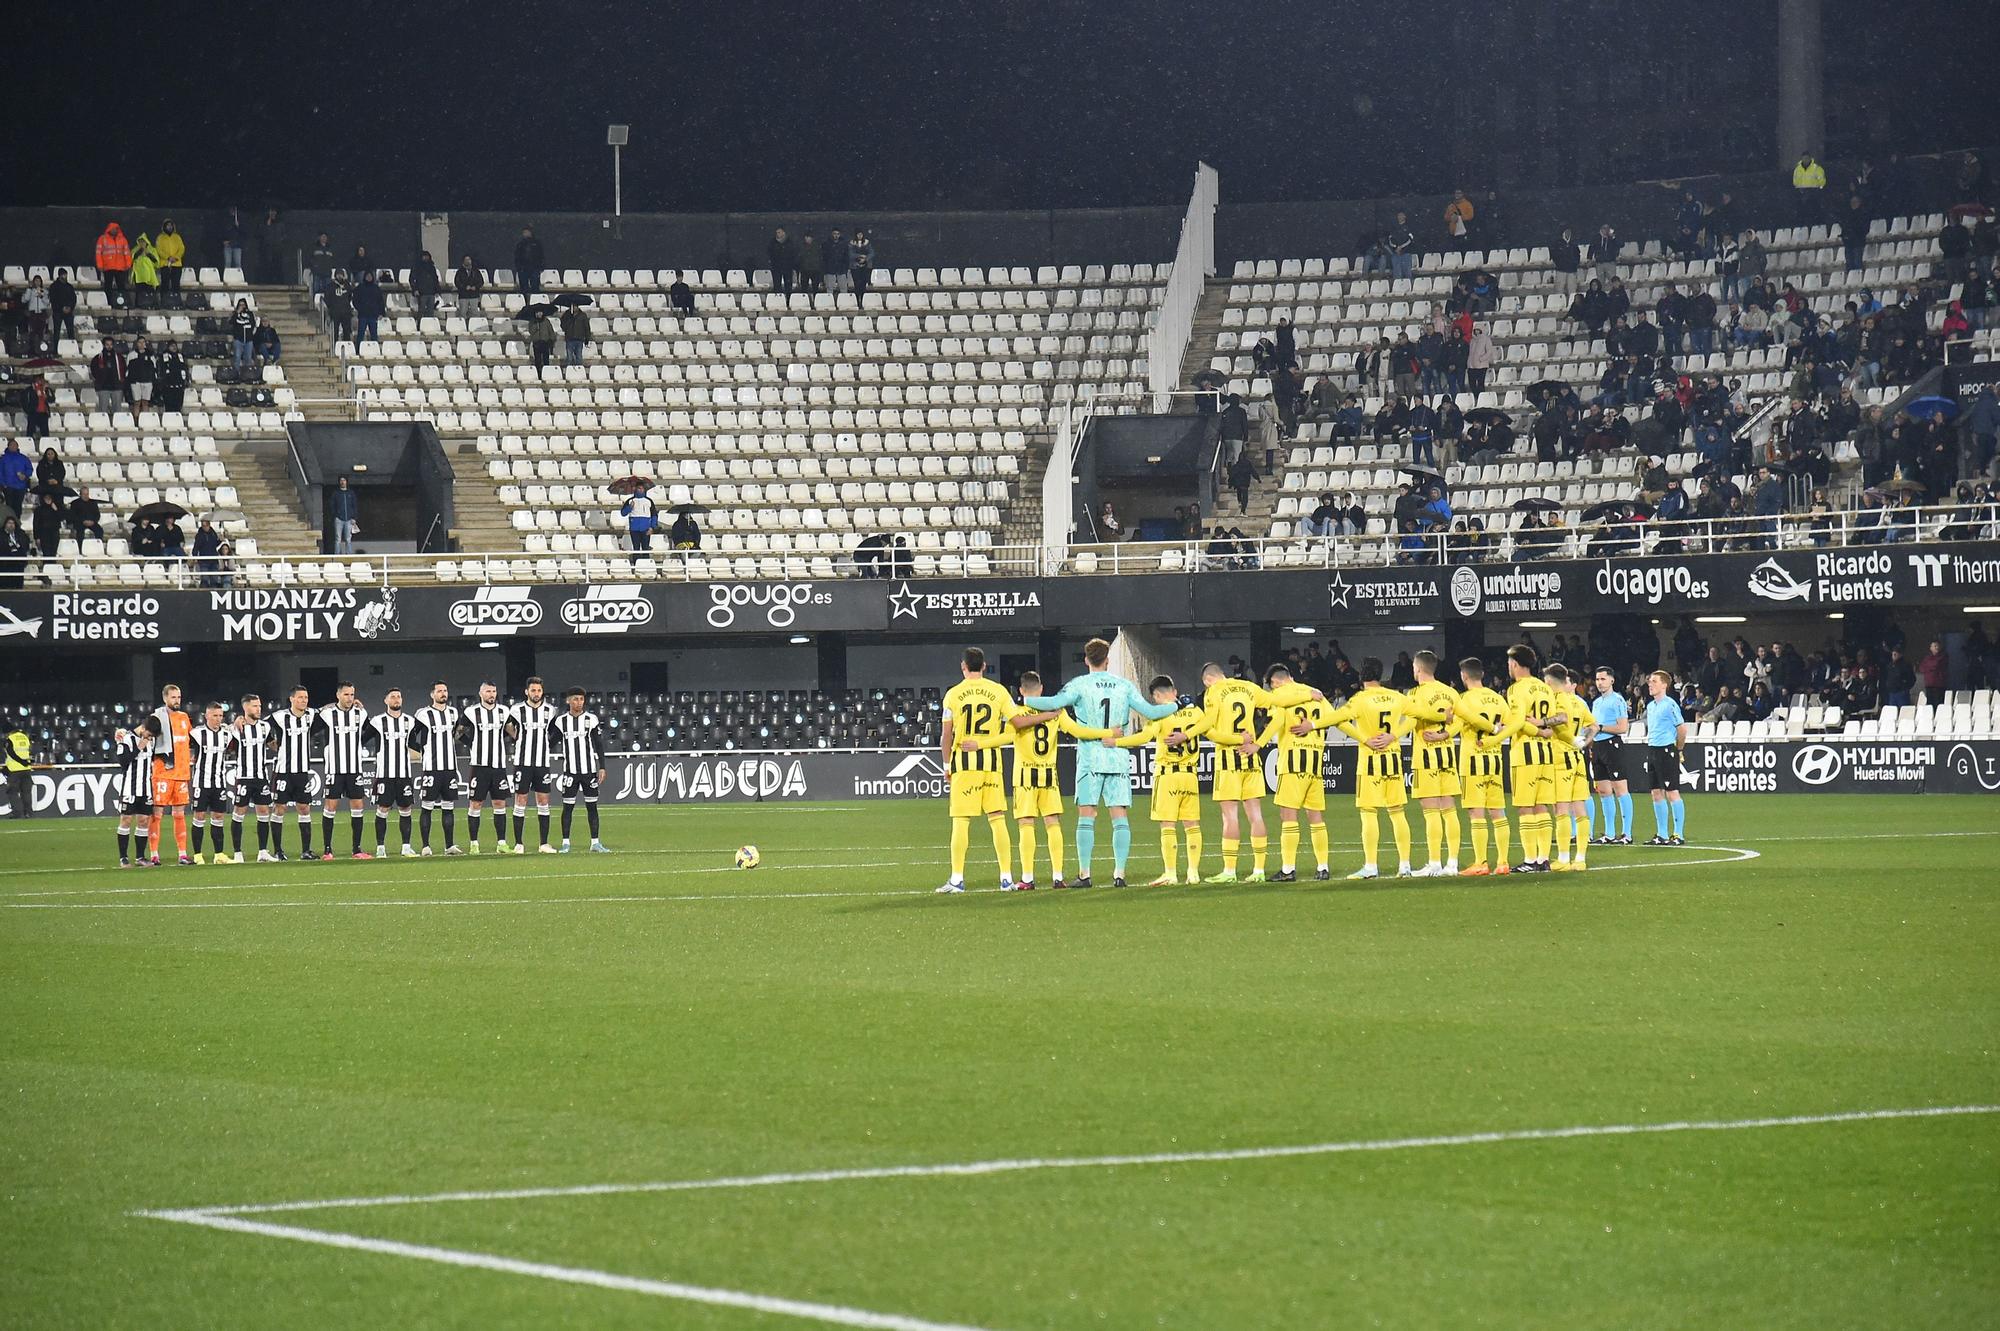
<point x="748" y="858"/>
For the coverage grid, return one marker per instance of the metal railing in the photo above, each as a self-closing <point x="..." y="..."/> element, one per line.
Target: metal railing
<point x="1790" y="531"/>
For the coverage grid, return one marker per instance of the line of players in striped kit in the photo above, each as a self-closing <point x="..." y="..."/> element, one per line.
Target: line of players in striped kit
<point x="224" y="770"/>
<point x="1541" y="742"/>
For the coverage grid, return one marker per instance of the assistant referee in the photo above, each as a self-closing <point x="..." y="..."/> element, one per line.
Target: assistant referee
<point x="1666" y="733"/>
<point x="20" y="781"/>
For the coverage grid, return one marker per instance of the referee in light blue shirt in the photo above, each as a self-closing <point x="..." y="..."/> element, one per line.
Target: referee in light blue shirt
<point x="1666" y="732"/>
<point x="1613" y="720"/>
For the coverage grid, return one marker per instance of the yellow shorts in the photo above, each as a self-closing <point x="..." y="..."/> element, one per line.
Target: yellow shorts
<point x="1037" y="802"/>
<point x="1302" y="792"/>
<point x="1231" y="786"/>
<point x="976" y="793"/>
<point x="1573" y="787"/>
<point x="1534" y="784"/>
<point x="1380" y="792"/>
<point x="1485" y="792"/>
<point x="1433" y="785"/>
<point x="1176" y="798"/>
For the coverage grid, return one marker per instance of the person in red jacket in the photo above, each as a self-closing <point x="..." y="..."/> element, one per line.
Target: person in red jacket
<point x="1932" y="670"/>
<point x="114" y="259"/>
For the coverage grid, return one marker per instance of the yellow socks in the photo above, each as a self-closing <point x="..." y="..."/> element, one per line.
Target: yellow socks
<point x="1479" y="832"/>
<point x="1288" y="845"/>
<point x="1028" y="850"/>
<point x="1003" y="849"/>
<point x="1559" y="830"/>
<point x="1170" y="848"/>
<point x="1434" y="834"/>
<point x="1450" y="817"/>
<point x="1319" y="842"/>
<point x="1230" y="846"/>
<point x="1399" y="823"/>
<point x="1371" y="836"/>
<point x="1503" y="834"/>
<point x="1192" y="835"/>
<point x="1259" y="845"/>
<point x="961" y="841"/>
<point x="1056" y="849"/>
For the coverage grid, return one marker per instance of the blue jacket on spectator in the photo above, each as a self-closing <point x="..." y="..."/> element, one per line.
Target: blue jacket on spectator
<point x="15" y="469"/>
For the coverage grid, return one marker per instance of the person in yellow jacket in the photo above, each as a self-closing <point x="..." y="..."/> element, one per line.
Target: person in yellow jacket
<point x="15" y="758"/>
<point x="171" y="251"/>
<point x="1458" y="221"/>
<point x="1176" y="788"/>
<point x="1809" y="187"/>
<point x="145" y="265"/>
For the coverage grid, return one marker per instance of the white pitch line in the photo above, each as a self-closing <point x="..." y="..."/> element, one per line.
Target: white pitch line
<point x="827" y="1313"/>
<point x="975" y="1168"/>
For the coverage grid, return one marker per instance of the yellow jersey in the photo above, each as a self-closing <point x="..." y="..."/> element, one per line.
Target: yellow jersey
<point x="978" y="709"/>
<point x="1300" y="755"/>
<point x="1230" y="706"/>
<point x="1182" y="757"/>
<point x="1036" y="747"/>
<point x="1481" y="748"/>
<point x="1530" y="701"/>
<point x="1376" y="711"/>
<point x="1435" y="706"/>
<point x="1576" y="720"/>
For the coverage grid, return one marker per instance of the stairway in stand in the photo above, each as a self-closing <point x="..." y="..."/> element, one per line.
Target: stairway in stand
<point x="259" y="469"/>
<point x="1201" y="339"/>
<point x="311" y="371"/>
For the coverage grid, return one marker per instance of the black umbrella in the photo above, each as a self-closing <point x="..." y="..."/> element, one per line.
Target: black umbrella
<point x="51" y="490"/>
<point x="1486" y="416"/>
<point x="1536" y="504"/>
<point x="1547" y="388"/>
<point x="539" y="309"/>
<point x="1903" y="485"/>
<point x="682" y="510"/>
<point x="573" y="298"/>
<point x="1616" y="510"/>
<point x="159" y="511"/>
<point x="630" y="485"/>
<point x="1424" y="475"/>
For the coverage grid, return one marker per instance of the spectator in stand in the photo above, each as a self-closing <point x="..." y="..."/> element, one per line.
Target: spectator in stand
<point x="783" y="256"/>
<point x="838" y="259"/>
<point x="107" y="377"/>
<point x="1898" y="679"/>
<point x="340" y="308"/>
<point x="861" y="263"/>
<point x="1480" y="354"/>
<point x="1397" y="243"/>
<point x="140" y="372"/>
<point x="15" y="474"/>
<point x="360" y="264"/>
<point x="1934" y="670"/>
<point x="1564" y="258"/>
<point x="84" y="516"/>
<point x="812" y="264"/>
<point x="1323" y="404"/>
<point x="173" y="542"/>
<point x="681" y="296"/>
<point x="145" y="539"/>
<point x="1320" y="521"/>
<point x="1458" y="222"/>
<point x="14" y="553"/>
<point x="528" y="262"/>
<point x="266" y="344"/>
<point x="1854" y="232"/>
<point x="232" y="240"/>
<point x="243" y="334"/>
<point x="576" y="334"/>
<point x="541" y="338"/>
<point x="1423" y="434"/>
<point x="145" y="274"/>
<point x="686" y="532"/>
<point x="369" y="302"/>
<point x="207" y="548"/>
<point x="1809" y="190"/>
<point x="40" y="397"/>
<point x="1604" y="254"/>
<point x="468" y="282"/>
<point x="1751" y="263"/>
<point x="170" y="252"/>
<point x="1232" y="428"/>
<point x="62" y="307"/>
<point x="1108" y="528"/>
<point x="114" y="262"/>
<point x="346" y="511"/>
<point x="1285" y="343"/>
<point x="1768" y="506"/>
<point x="638" y="511"/>
<point x="424" y="284"/>
<point x="1242" y="473"/>
<point x="321" y="263"/>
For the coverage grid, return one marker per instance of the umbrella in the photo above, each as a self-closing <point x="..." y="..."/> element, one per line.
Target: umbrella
<point x="159" y="511"/>
<point x="1547" y="388"/>
<point x="1616" y="510"/>
<point x="682" y="510"/>
<point x="1536" y="504"/>
<point x="1929" y="408"/>
<point x="573" y="298"/>
<point x="1486" y="416"/>
<point x="52" y="491"/>
<point x="535" y="311"/>
<point x="1903" y="485"/>
<point x="630" y="485"/>
<point x="1423" y="475"/>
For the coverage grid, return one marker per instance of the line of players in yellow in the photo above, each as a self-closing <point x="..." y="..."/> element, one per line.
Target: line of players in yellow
<point x="1467" y="748"/>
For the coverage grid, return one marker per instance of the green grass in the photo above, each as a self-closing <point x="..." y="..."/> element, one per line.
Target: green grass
<point x="827" y="1011"/>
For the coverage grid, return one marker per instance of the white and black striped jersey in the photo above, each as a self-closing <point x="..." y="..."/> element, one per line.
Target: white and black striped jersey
<point x="294" y="731"/>
<point x="437" y="736"/>
<point x="135" y="761"/>
<point x="345" y="729"/>
<point x="531" y="742"/>
<point x="214" y="757"/>
<point x="392" y="740"/>
<point x="580" y="748"/>
<point x="253" y="750"/>
<point x="487" y="724"/>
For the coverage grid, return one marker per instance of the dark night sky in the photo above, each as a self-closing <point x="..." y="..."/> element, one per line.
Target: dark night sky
<point x="954" y="103"/>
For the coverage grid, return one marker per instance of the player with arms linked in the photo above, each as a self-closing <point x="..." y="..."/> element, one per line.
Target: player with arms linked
<point x="1176" y="780"/>
<point x="976" y="713"/>
<point x="1037" y="793"/>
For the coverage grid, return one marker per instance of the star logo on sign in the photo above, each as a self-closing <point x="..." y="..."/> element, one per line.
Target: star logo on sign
<point x="903" y="603"/>
<point x="1336" y="592"/>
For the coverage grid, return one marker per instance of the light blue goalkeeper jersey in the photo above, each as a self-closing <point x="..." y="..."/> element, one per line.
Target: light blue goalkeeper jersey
<point x="1102" y="699"/>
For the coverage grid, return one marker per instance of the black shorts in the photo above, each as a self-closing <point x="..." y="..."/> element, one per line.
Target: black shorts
<point x="293" y="787"/>
<point x="394" y="792"/>
<point x="1663" y="769"/>
<point x="346" y="787"/>
<point x="219" y="800"/>
<point x="580" y="786"/>
<point x="438" y="789"/>
<point x="141" y="807"/>
<point x="491" y="783"/>
<point x="255" y="791"/>
<point x="533" y="780"/>
<point x="1607" y="760"/>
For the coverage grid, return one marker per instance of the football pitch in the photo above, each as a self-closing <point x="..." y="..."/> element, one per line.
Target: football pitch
<point x="1749" y="1082"/>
